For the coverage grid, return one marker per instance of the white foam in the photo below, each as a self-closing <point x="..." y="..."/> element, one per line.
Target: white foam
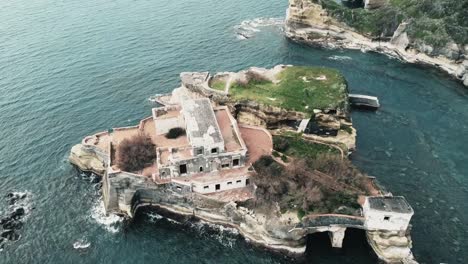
<point x="81" y="244"/>
<point x="109" y="222"/>
<point x="154" y="217"/>
<point x="339" y="58"/>
<point x="247" y="28"/>
<point x="226" y="236"/>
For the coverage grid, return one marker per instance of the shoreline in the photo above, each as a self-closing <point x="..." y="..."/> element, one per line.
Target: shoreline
<point x="340" y="36"/>
<point x="167" y="212"/>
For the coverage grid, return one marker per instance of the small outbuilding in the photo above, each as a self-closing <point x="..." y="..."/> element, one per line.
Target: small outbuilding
<point x="387" y="213"/>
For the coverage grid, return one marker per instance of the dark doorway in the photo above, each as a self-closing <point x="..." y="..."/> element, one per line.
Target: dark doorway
<point x="235" y="162"/>
<point x="183" y="169"/>
<point x="218" y="187"/>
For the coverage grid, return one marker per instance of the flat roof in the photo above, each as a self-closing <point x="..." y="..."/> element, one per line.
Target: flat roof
<point x="201" y="123"/>
<point x="396" y="204"/>
<point x="231" y="140"/>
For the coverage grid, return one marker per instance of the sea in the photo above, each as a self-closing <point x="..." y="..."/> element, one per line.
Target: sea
<point x="71" y="68"/>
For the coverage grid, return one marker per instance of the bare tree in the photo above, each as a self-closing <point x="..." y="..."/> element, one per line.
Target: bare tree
<point x="135" y="153"/>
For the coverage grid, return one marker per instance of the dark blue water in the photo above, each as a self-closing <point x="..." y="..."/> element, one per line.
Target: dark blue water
<point x="71" y="68"/>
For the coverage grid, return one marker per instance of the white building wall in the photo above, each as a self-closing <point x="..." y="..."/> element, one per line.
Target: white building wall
<point x="200" y="187"/>
<point x="381" y="220"/>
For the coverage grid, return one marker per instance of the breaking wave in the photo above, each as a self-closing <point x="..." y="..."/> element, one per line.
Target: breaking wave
<point x="111" y="222"/>
<point x="226" y="236"/>
<point x="247" y="28"/>
<point x="81" y="244"/>
<point x="339" y="58"/>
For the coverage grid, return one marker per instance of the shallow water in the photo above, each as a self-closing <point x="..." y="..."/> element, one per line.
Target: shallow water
<point x="71" y="68"/>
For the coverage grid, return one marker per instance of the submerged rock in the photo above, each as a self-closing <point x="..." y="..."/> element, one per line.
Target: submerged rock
<point x="13" y="224"/>
<point x="13" y="197"/>
<point x="10" y="235"/>
<point x="18" y="212"/>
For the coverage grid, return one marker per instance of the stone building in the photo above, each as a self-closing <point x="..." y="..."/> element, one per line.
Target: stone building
<point x="387" y="213"/>
<point x="210" y="157"/>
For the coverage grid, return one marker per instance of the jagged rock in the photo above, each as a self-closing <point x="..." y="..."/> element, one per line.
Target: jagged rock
<point x="10" y="235"/>
<point x="424" y="48"/>
<point x="400" y="37"/>
<point x="18" y="212"/>
<point x="87" y="159"/>
<point x="12" y="224"/>
<point x="451" y="51"/>
<point x="2" y="243"/>
<point x="4" y="220"/>
<point x="326" y="120"/>
<point x="461" y="71"/>
<point x="465" y="80"/>
<point x="14" y="197"/>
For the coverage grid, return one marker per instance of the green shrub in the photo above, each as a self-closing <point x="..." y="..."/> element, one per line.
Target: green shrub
<point x="300" y="213"/>
<point x="284" y="158"/>
<point x="280" y="144"/>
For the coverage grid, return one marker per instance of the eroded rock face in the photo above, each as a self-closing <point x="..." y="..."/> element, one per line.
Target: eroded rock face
<point x="392" y="246"/>
<point x="87" y="158"/>
<point x="252" y="113"/>
<point x="400" y="37"/>
<point x="309" y="23"/>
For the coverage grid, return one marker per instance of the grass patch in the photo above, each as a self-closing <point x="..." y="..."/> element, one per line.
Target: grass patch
<point x="298" y="147"/>
<point x="300" y="89"/>
<point x="219" y="85"/>
<point x="300" y="213"/>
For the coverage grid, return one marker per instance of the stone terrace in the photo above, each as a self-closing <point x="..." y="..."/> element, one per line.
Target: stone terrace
<point x="258" y="141"/>
<point x="231" y="140"/>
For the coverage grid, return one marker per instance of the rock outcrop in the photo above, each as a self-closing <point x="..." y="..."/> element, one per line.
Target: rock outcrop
<point x="308" y="22"/>
<point x="88" y="158"/>
<point x="391" y="246"/>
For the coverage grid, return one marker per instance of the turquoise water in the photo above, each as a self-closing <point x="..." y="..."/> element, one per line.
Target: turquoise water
<point x="71" y="68"/>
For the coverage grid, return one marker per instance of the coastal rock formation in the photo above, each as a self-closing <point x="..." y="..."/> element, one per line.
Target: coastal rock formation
<point x="88" y="158"/>
<point x="307" y="21"/>
<point x="392" y="246"/>
<point x="12" y="221"/>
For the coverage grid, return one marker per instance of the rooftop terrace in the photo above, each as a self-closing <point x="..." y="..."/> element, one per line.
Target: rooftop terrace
<point x="397" y="204"/>
<point x="231" y="140"/>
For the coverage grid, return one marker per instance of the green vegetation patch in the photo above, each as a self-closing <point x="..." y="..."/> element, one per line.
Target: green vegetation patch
<point x="298" y="147"/>
<point x="434" y="22"/>
<point x="218" y="85"/>
<point x="300" y="89"/>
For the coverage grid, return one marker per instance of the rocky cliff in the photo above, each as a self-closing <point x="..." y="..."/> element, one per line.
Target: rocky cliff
<point x="317" y="23"/>
<point x="88" y="158"/>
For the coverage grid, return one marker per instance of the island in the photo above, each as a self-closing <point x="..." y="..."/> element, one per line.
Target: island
<point x="426" y="32"/>
<point x="264" y="151"/>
